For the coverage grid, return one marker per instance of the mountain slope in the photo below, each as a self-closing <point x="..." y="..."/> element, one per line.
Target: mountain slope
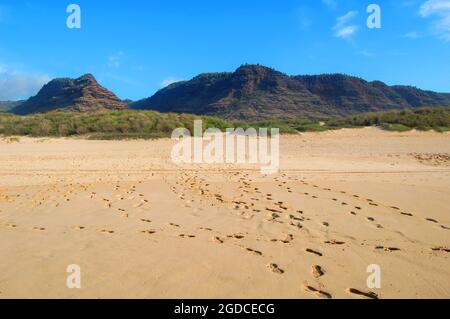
<point x="76" y="95"/>
<point x="6" y="106"/>
<point x="255" y="92"/>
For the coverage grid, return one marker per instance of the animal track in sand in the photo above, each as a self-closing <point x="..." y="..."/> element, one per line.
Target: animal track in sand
<point x="318" y="292"/>
<point x="11" y="225"/>
<point x="309" y="250"/>
<point x="39" y="228"/>
<point x="174" y="225"/>
<point x="79" y="227"/>
<point x="146" y="220"/>
<point x="445" y="227"/>
<point x="368" y="294"/>
<point x="432" y="220"/>
<point x="317" y="271"/>
<point x="275" y="268"/>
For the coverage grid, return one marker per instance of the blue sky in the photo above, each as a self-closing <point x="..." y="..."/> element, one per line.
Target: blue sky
<point x="135" y="47"/>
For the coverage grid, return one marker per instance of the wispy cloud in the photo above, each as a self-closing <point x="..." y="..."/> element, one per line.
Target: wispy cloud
<point x="413" y="35"/>
<point x="15" y="85"/>
<point x="330" y="3"/>
<point x="168" y="81"/>
<point x="114" y="60"/>
<point x="343" y="29"/>
<point x="440" y="11"/>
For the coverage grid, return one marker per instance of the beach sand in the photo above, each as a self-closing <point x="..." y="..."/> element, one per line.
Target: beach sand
<point x="141" y="227"/>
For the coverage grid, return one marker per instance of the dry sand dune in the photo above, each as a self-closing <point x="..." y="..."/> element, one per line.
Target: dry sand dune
<point x="139" y="226"/>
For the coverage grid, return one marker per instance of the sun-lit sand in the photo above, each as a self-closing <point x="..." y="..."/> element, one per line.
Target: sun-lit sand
<point x="139" y="226"/>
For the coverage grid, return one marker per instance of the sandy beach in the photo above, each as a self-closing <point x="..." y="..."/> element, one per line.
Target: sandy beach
<point x="140" y="226"/>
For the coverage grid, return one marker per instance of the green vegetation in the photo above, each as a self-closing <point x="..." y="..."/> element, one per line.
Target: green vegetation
<point x="422" y="119"/>
<point x="102" y="125"/>
<point x="131" y="124"/>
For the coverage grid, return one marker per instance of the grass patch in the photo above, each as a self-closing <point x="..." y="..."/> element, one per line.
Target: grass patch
<point x="134" y="124"/>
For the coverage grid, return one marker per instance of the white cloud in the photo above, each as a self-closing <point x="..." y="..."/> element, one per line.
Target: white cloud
<point x="342" y="28"/>
<point x="169" y="81"/>
<point x="330" y="3"/>
<point x="16" y="85"/>
<point x="346" y="32"/>
<point x="440" y="10"/>
<point x="413" y="35"/>
<point x="114" y="60"/>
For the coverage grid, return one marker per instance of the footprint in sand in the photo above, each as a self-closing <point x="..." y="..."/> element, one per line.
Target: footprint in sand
<point x="289" y="238"/>
<point x="297" y="225"/>
<point x="146" y="220"/>
<point x="276" y="269"/>
<point x="318" y="292"/>
<point x="432" y="220"/>
<point x="174" y="225"/>
<point x="445" y="227"/>
<point x="254" y="252"/>
<point x="334" y="242"/>
<point x="186" y="236"/>
<point x="79" y="227"/>
<point x="368" y="294"/>
<point x="39" y="228"/>
<point x="217" y="240"/>
<point x="148" y="232"/>
<point x="236" y="236"/>
<point x="11" y="225"/>
<point x="443" y="249"/>
<point x="407" y="214"/>
<point x="317" y="271"/>
<point x="106" y="231"/>
<point x="315" y="252"/>
<point x="389" y="249"/>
